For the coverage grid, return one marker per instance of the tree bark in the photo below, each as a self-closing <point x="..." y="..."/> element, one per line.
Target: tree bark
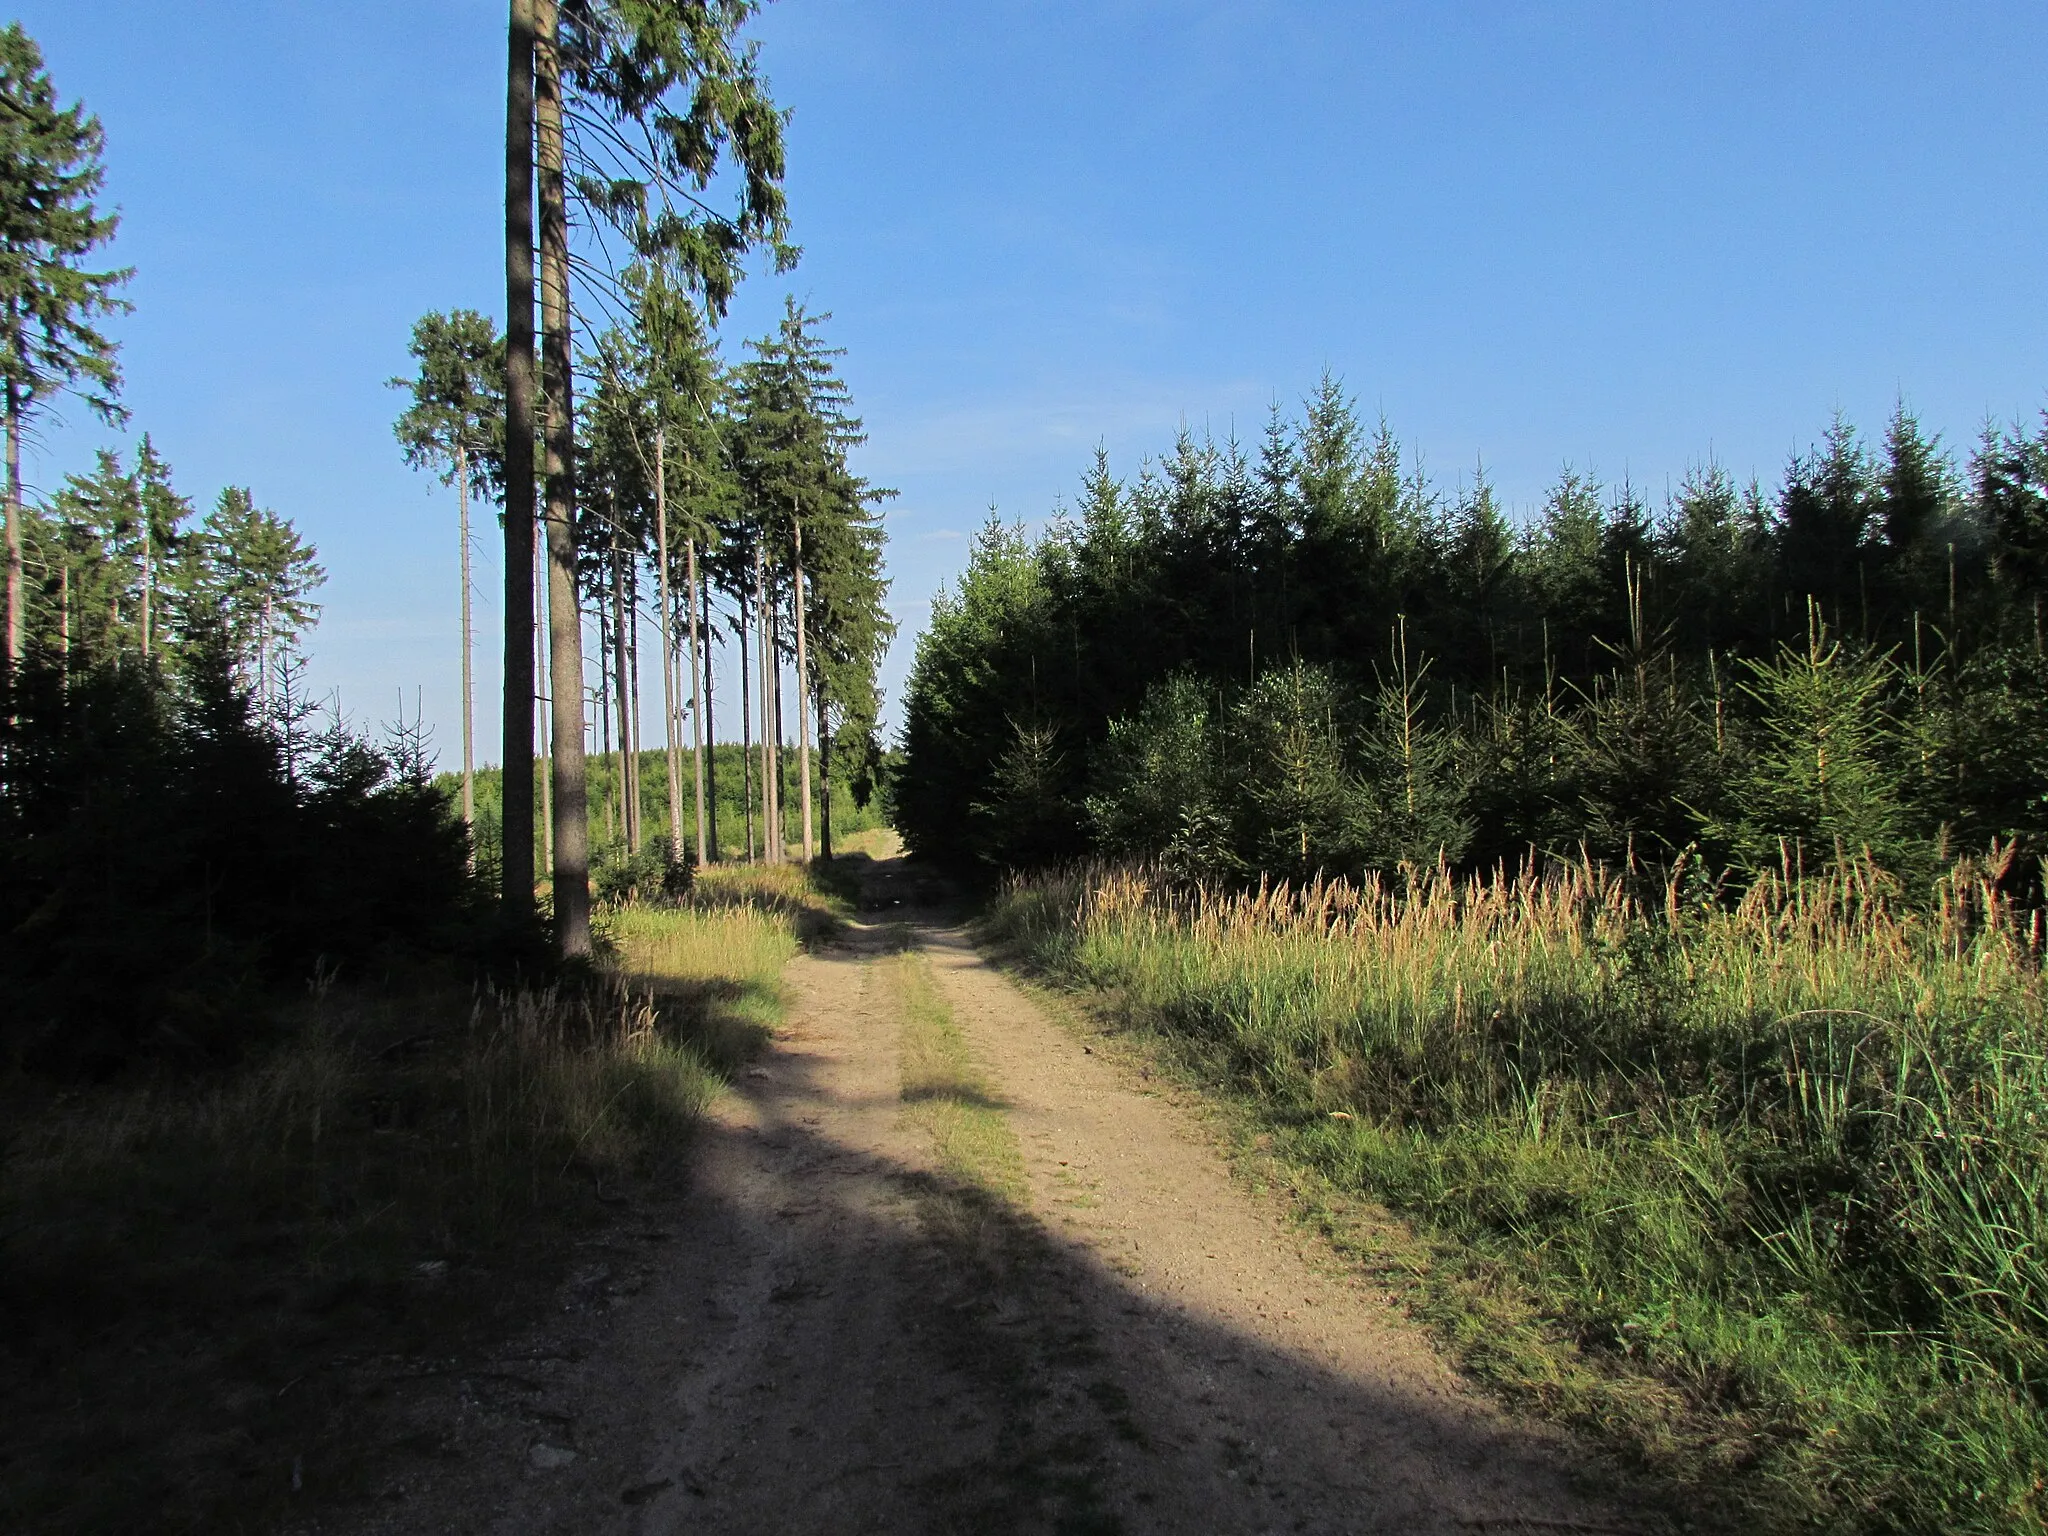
<point x="632" y="575"/>
<point x="764" y="645"/>
<point x="14" y="572"/>
<point x="696" y="706"/>
<point x="516" y="832"/>
<point x="746" y="727"/>
<point x="547" y="732"/>
<point x="149" y="584"/>
<point x="565" y="629"/>
<point x="803" y="686"/>
<point x="775" y="741"/>
<point x="468" y="680"/>
<point x="824" y="781"/>
<point x="622" y="686"/>
<point x="669" y="688"/>
<point x="710" y="731"/>
<point x="604" y="727"/>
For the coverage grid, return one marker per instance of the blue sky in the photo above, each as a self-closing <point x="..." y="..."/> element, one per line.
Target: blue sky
<point x="1615" y="235"/>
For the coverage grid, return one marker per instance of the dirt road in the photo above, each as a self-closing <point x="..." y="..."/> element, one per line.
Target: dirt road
<point x="812" y="1337"/>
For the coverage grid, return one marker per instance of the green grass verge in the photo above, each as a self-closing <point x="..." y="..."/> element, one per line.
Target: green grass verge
<point x="946" y="1093"/>
<point x="1752" y="1195"/>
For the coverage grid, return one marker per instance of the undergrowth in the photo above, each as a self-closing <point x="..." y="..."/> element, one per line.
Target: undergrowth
<point x="208" y="1279"/>
<point x="1753" y="1189"/>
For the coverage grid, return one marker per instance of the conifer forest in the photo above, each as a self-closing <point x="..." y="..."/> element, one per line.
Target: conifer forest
<point x="1575" y="964"/>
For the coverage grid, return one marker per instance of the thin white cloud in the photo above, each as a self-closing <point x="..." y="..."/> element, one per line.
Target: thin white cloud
<point x="1020" y="429"/>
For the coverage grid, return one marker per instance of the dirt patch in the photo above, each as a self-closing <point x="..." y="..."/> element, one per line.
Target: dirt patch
<point x="832" y="1328"/>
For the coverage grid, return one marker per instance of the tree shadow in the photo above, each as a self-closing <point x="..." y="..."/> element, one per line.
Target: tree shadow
<point x="839" y="1340"/>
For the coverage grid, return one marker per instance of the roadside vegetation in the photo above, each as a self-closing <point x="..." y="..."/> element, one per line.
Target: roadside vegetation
<point x="212" y="1279"/>
<point x="1645" y="902"/>
<point x="1780" y="1154"/>
<point x="306" y="1082"/>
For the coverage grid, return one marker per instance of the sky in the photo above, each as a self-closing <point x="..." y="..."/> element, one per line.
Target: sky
<point x="1622" y="237"/>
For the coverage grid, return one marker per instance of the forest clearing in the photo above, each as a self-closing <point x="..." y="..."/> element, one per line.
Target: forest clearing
<point x="1278" y="989"/>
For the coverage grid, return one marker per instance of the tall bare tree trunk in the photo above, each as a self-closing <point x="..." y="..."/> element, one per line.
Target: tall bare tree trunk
<point x="824" y="781"/>
<point x="710" y="731"/>
<point x="803" y="687"/>
<point x="746" y="727"/>
<point x="669" y="688"/>
<point x="633" y="699"/>
<point x="546" y="699"/>
<point x="696" y="706"/>
<point x="565" y="628"/>
<point x="468" y="681"/>
<point x="64" y="623"/>
<point x="516" y="833"/>
<point x="771" y="824"/>
<point x="780" y="770"/>
<point x="604" y="728"/>
<point x="14" y="571"/>
<point x="149" y="585"/>
<point x="622" y="678"/>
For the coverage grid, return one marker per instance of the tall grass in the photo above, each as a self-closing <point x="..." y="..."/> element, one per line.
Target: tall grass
<point x="188" y="1265"/>
<point x="1786" y="1153"/>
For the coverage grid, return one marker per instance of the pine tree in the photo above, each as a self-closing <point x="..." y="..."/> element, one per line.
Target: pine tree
<point x="1410" y="807"/>
<point x="794" y="427"/>
<point x="667" y="96"/>
<point x="1158" y="782"/>
<point x="1563" y="558"/>
<point x="161" y="535"/>
<point x="1925" y="526"/>
<point x="1294" y="787"/>
<point x="1817" y="784"/>
<point x="50" y="299"/>
<point x="126" y="560"/>
<point x="1825" y="519"/>
<point x="253" y="584"/>
<point x="455" y="424"/>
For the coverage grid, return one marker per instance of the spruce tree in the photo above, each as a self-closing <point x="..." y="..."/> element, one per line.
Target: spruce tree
<point x="663" y="96"/>
<point x="794" y="427"/>
<point x="254" y="583"/>
<point x="162" y="546"/>
<point x="1817" y="787"/>
<point x="455" y="424"/>
<point x="1409" y="810"/>
<point x="1825" y="521"/>
<point x="51" y="299"/>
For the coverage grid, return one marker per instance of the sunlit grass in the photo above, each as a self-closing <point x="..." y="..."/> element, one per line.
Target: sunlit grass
<point x="1785" y="1153"/>
<point x="945" y="1091"/>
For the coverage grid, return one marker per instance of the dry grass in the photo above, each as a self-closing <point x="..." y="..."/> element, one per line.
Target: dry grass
<point x="1781" y="1155"/>
<point x="199" y="1275"/>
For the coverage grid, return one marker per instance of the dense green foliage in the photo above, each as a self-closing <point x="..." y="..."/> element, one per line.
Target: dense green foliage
<point x="1311" y="659"/>
<point x="118" y="573"/>
<point x="50" y="298"/>
<point x="1753" y="1188"/>
<point x="752" y="457"/>
<point x="174" y="851"/>
<point x="183" y="835"/>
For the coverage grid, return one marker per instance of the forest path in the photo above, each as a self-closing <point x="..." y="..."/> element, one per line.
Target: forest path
<point x="824" y="1333"/>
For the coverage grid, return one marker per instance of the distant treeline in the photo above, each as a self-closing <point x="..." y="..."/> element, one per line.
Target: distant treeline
<point x="1310" y="658"/>
<point x="734" y="772"/>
